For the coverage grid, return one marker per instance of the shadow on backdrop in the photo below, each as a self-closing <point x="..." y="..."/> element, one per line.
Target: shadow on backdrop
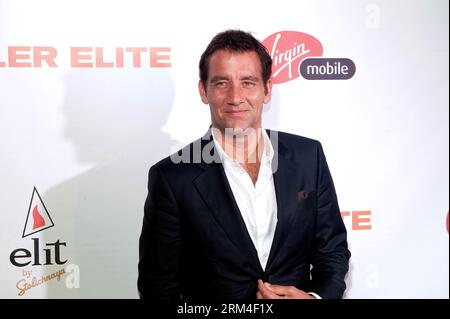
<point x="114" y="119"/>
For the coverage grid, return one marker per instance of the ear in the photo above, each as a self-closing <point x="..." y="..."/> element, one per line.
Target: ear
<point x="202" y="91"/>
<point x="268" y="93"/>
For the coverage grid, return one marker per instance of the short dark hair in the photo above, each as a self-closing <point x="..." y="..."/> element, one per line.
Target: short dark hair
<point x="235" y="41"/>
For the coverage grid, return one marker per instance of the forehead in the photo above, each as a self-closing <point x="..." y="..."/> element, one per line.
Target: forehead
<point x="224" y="62"/>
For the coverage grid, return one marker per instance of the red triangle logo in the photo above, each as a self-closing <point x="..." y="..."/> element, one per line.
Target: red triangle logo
<point x="38" y="217"/>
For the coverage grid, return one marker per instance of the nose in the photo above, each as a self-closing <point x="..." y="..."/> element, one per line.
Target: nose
<point x="235" y="95"/>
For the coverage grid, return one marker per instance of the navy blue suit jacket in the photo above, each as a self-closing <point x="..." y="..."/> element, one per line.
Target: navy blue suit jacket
<point x="194" y="243"/>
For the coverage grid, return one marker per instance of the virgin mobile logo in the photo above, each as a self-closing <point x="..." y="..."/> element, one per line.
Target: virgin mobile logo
<point x="288" y="49"/>
<point x="297" y="54"/>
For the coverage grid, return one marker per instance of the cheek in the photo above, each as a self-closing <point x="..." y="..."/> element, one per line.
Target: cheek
<point x="215" y="107"/>
<point x="257" y="104"/>
<point x="257" y="97"/>
<point x="215" y="102"/>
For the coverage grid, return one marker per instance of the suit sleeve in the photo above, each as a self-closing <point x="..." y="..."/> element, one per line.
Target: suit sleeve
<point x="159" y="243"/>
<point x="330" y="257"/>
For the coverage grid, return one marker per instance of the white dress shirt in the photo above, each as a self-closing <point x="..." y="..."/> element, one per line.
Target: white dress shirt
<point x="257" y="203"/>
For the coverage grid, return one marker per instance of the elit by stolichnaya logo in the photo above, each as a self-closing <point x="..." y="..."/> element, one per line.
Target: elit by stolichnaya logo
<point x="296" y="54"/>
<point x="48" y="254"/>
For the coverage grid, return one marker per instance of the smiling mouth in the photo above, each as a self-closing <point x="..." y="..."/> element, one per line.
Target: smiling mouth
<point x="236" y="112"/>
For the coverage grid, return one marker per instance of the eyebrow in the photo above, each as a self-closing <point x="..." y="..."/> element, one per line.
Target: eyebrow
<point x="218" y="78"/>
<point x="250" y="78"/>
<point x="224" y="78"/>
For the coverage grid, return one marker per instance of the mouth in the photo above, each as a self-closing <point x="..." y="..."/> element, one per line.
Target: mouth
<point x="236" y="113"/>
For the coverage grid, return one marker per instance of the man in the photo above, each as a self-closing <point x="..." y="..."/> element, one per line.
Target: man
<point x="242" y="213"/>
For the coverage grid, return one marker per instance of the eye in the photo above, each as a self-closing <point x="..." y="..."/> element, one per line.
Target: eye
<point x="220" y="84"/>
<point x="248" y="84"/>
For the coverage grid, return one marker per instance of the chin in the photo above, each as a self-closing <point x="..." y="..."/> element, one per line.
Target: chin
<point x="237" y="125"/>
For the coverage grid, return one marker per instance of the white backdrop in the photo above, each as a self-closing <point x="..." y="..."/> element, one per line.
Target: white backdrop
<point x="85" y="137"/>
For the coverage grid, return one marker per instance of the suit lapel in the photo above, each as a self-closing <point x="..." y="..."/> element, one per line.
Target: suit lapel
<point x="215" y="190"/>
<point x="286" y="184"/>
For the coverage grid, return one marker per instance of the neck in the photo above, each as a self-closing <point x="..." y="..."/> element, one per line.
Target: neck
<point x="243" y="146"/>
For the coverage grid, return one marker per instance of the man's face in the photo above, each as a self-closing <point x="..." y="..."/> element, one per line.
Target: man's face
<point x="235" y="90"/>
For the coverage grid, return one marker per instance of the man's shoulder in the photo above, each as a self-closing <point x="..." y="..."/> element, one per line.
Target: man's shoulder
<point x="293" y="142"/>
<point x="297" y="149"/>
<point x="293" y="138"/>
